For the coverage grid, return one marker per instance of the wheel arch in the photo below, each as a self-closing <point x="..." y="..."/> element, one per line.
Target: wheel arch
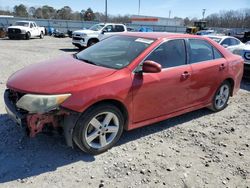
<point x="232" y="83"/>
<point x="116" y="103"/>
<point x="93" y="38"/>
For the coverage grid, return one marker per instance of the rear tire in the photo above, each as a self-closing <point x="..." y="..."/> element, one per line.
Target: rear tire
<point x="98" y="129"/>
<point x="221" y="97"/>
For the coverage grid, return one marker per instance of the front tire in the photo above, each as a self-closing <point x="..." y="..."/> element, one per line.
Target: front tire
<point x="41" y="35"/>
<point x="27" y="36"/>
<point x="221" y="97"/>
<point x="91" y="42"/>
<point x="98" y="129"/>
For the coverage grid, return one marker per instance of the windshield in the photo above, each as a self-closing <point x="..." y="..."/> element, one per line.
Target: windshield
<point x="216" y="39"/>
<point x="24" y="24"/>
<point x="96" y="27"/>
<point x="115" y="52"/>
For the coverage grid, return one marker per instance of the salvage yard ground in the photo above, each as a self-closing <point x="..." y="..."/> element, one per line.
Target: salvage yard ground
<point x="198" y="149"/>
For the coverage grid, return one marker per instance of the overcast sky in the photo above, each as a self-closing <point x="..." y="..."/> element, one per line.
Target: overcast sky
<point x="180" y="8"/>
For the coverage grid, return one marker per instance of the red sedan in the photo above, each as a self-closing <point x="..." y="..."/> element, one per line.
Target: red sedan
<point x="123" y="82"/>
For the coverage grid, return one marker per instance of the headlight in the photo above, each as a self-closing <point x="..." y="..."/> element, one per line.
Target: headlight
<point x="41" y="103"/>
<point x="23" y="31"/>
<point x="84" y="35"/>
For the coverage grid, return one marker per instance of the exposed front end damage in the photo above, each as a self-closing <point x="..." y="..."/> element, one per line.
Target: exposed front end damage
<point x="34" y="123"/>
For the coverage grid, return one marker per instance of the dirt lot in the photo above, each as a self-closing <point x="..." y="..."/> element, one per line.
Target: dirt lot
<point x="198" y="149"/>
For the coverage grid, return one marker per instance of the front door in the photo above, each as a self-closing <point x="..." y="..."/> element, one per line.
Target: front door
<point x="157" y="94"/>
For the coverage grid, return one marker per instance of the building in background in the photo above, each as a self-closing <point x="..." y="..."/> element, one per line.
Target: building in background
<point x="156" y="21"/>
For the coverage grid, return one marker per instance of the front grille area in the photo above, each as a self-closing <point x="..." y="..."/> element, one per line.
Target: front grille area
<point x="78" y="38"/>
<point x="14" y="31"/>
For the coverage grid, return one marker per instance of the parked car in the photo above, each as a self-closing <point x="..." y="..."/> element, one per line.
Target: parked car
<point x="124" y="82"/>
<point x="236" y="47"/>
<point x="59" y="34"/>
<point x="226" y="41"/>
<point x="88" y="37"/>
<point x="205" y="32"/>
<point x="244" y="51"/>
<point x="25" y="30"/>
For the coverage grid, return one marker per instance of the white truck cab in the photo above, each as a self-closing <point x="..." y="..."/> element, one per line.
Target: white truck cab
<point x="87" y="37"/>
<point x="26" y="30"/>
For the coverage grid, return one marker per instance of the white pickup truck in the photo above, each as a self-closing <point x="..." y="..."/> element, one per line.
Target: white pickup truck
<point x="25" y="30"/>
<point x="96" y="33"/>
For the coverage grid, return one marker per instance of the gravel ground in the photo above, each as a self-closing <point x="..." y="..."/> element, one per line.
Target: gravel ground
<point x="198" y="149"/>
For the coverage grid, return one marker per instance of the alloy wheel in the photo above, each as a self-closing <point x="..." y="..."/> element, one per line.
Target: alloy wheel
<point x="222" y="96"/>
<point x="102" y="130"/>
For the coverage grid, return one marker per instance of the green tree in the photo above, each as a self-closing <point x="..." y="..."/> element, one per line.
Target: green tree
<point x="64" y="13"/>
<point x="38" y="13"/>
<point x="89" y="15"/>
<point x="48" y="12"/>
<point x="20" y="10"/>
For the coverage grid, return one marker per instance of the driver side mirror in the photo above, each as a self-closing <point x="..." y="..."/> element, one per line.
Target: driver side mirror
<point x="151" y="67"/>
<point x="104" y="30"/>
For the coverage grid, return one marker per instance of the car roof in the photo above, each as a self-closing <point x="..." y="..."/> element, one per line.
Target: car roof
<point x="159" y="35"/>
<point x="220" y="36"/>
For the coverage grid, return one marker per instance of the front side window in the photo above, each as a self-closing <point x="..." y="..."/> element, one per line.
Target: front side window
<point x="96" y="27"/>
<point x="170" y="54"/>
<point x="200" y="50"/>
<point x="108" y="28"/>
<point x="115" y="52"/>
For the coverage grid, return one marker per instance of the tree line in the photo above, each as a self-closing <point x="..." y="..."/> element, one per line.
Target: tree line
<point x="65" y="13"/>
<point x="227" y="19"/>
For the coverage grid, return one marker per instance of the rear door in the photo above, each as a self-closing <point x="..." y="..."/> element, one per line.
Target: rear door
<point x="157" y="94"/>
<point x="208" y="70"/>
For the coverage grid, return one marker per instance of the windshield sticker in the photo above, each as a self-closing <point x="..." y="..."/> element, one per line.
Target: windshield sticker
<point x="147" y="41"/>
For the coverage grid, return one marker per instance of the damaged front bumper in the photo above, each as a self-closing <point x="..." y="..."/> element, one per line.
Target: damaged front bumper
<point x="35" y="122"/>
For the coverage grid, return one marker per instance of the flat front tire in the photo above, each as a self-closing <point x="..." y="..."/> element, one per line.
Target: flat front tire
<point x="41" y="35"/>
<point x="98" y="129"/>
<point x="221" y="97"/>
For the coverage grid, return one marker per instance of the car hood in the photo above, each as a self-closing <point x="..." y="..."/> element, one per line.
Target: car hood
<point x="63" y="75"/>
<point x="85" y="31"/>
<point x="18" y="27"/>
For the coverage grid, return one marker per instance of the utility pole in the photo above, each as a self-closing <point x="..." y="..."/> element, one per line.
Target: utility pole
<point x="106" y="10"/>
<point x="139" y="7"/>
<point x="169" y="14"/>
<point x="203" y="13"/>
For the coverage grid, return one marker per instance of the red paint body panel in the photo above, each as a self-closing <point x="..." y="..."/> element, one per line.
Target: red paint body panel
<point x="147" y="97"/>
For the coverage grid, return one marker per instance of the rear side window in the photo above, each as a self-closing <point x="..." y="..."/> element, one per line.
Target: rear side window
<point x="170" y="54"/>
<point x="119" y="28"/>
<point x="217" y="54"/>
<point x="234" y="42"/>
<point x="200" y="50"/>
